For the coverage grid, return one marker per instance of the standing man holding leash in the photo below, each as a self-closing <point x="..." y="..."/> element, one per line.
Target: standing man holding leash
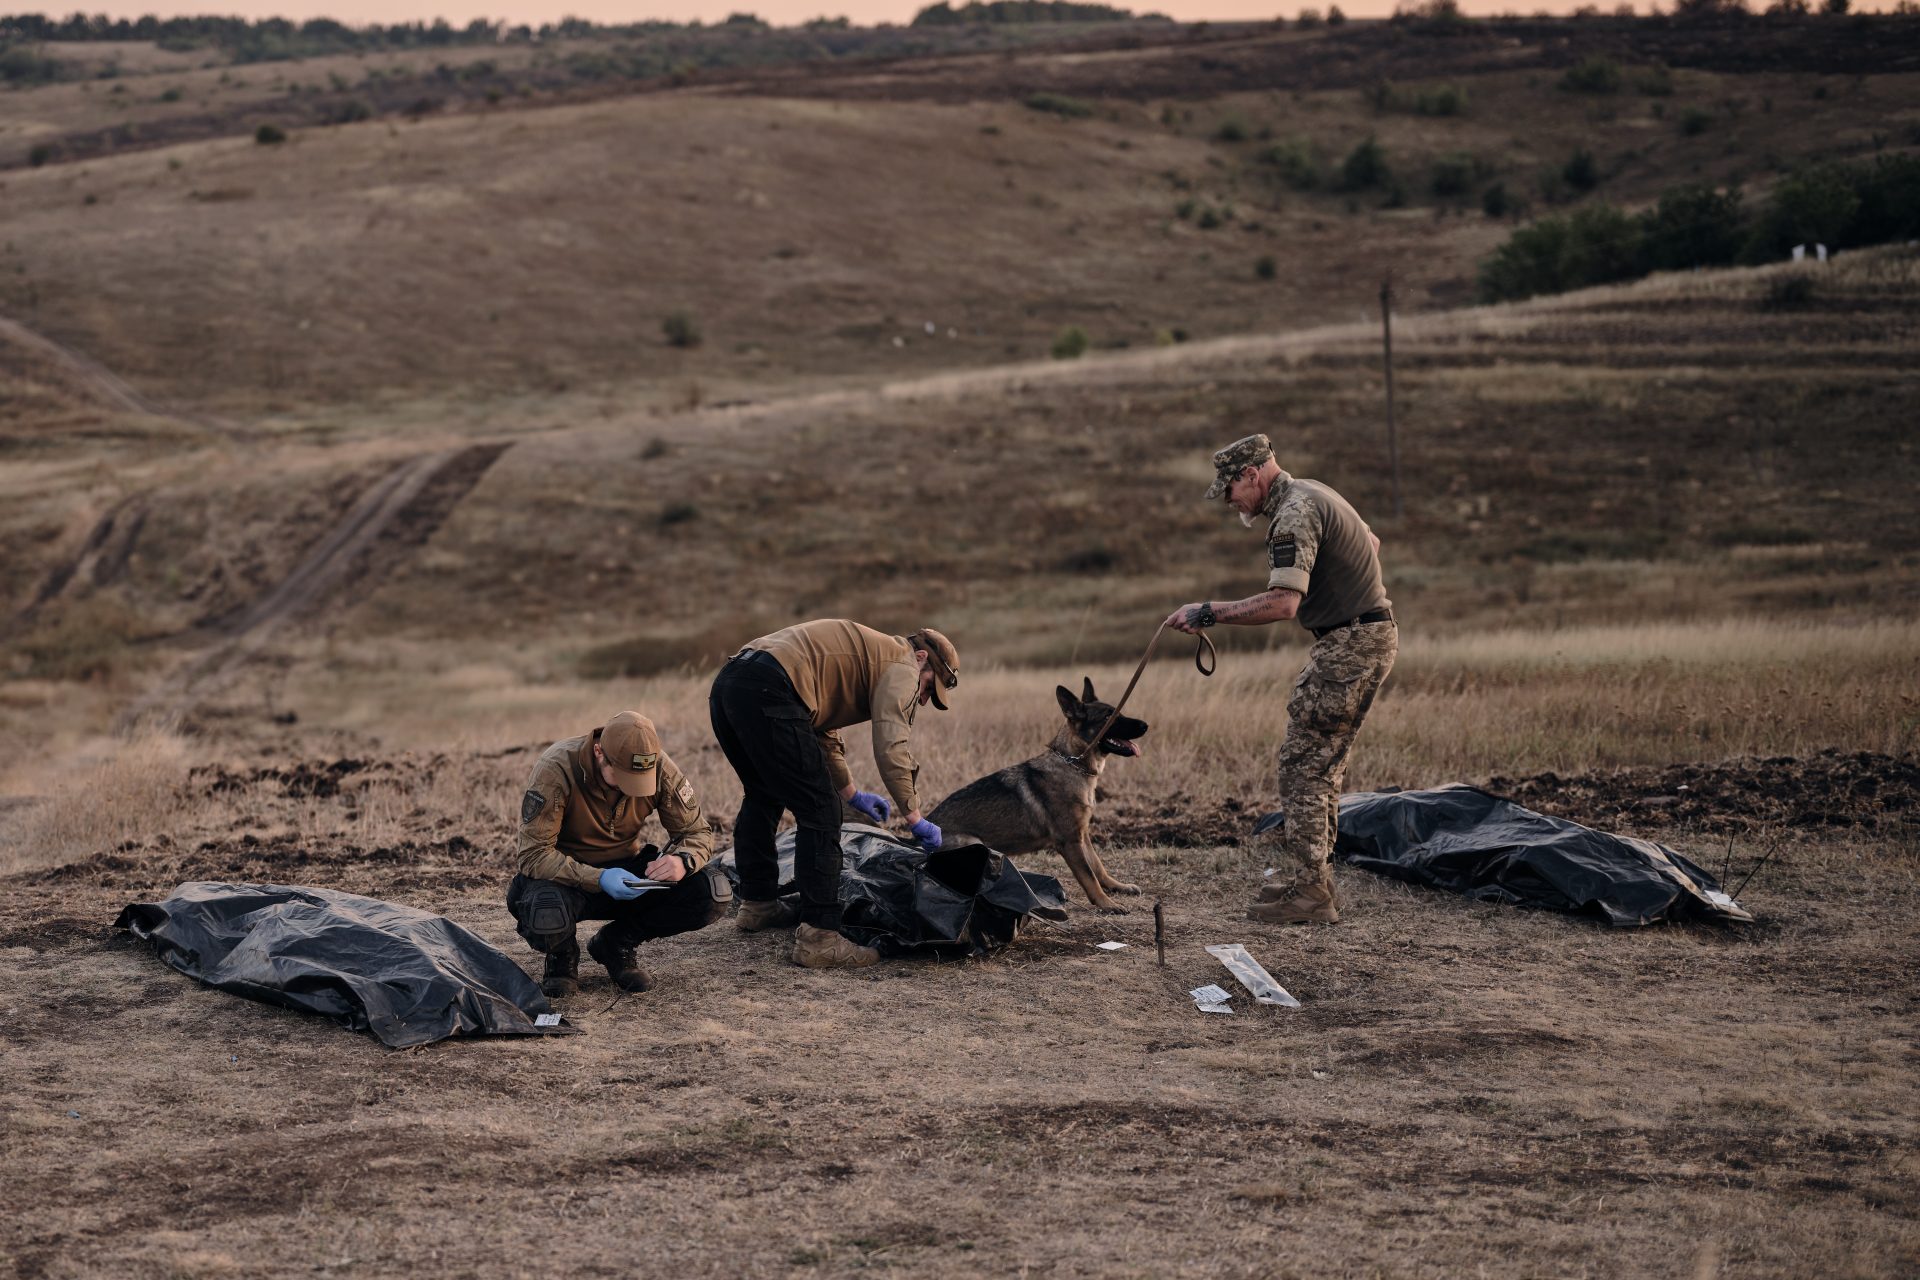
<point x="1323" y="570"/>
<point x="777" y="707"/>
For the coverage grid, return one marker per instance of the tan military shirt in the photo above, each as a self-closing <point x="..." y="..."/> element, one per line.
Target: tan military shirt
<point x="1318" y="545"/>
<point x="847" y="674"/>
<point x="572" y="823"/>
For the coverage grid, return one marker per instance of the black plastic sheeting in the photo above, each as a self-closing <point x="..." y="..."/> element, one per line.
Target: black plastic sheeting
<point x="898" y="898"/>
<point x="405" y="975"/>
<point x="1471" y="842"/>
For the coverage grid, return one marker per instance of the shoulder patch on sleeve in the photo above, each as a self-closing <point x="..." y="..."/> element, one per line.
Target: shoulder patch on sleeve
<point x="1282" y="551"/>
<point x="530" y="806"/>
<point x="685" y="793"/>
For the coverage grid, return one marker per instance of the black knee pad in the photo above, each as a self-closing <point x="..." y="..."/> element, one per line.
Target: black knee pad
<point x="546" y="919"/>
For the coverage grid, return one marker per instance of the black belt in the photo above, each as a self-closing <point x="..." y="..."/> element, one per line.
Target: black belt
<point x="1372" y="615"/>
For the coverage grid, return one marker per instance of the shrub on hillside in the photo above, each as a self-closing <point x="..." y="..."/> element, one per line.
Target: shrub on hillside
<point x="1581" y="171"/>
<point x="1694" y="226"/>
<point x="1596" y="245"/>
<point x="1335" y="17"/>
<point x="1232" y="129"/>
<point x="39" y="153"/>
<point x="1071" y="344"/>
<point x="1058" y="104"/>
<point x="22" y="66"/>
<point x="1365" y="166"/>
<point x="1308" y="19"/>
<point x="1694" y="122"/>
<point x="1438" y="100"/>
<point x="351" y="111"/>
<point x="268" y="135"/>
<point x="681" y="330"/>
<point x="1266" y="268"/>
<point x="1495" y="202"/>
<point x="1592" y="75"/>
<point x="1454" y="174"/>
<point x="1655" y="82"/>
<point x="1296" y="162"/>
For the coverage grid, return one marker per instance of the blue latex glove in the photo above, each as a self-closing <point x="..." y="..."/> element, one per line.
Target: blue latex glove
<point x="621" y="884"/>
<point x="875" y="807"/>
<point x="927" y="834"/>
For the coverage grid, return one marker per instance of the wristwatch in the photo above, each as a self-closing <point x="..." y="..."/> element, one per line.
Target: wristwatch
<point x="1206" y="618"/>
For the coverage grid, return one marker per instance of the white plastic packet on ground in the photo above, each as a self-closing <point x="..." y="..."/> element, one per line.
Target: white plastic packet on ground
<point x="1110" y="946"/>
<point x="1211" y="999"/>
<point x="1241" y="964"/>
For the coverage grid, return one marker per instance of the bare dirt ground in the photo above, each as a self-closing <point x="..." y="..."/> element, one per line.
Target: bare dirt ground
<point x="1468" y="1089"/>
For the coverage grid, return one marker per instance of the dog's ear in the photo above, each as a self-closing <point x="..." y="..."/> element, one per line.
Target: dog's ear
<point x="1069" y="704"/>
<point x="1087" y="694"/>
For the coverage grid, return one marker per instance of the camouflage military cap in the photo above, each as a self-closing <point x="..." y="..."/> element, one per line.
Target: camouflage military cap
<point x="1249" y="451"/>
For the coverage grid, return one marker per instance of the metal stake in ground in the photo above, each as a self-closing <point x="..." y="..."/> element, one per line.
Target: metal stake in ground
<point x="1393" y="443"/>
<point x="1160" y="932"/>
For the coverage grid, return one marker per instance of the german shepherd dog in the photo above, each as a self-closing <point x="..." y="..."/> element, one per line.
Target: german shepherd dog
<point x="1046" y="802"/>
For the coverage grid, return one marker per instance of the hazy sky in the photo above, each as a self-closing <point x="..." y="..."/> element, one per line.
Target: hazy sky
<point x="782" y="12"/>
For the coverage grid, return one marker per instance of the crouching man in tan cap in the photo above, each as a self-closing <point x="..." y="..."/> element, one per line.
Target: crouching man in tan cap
<point x="1323" y="566"/>
<point x="777" y="707"/>
<point x="580" y="856"/>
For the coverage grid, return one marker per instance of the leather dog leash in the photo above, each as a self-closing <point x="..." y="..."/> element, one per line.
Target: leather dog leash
<point x="1206" y="668"/>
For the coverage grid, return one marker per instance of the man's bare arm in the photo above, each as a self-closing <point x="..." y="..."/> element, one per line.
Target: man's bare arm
<point x="1277" y="604"/>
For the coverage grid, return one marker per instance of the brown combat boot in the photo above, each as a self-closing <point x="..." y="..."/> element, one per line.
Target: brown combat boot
<point x="755" y="916"/>
<point x="612" y="949"/>
<point x="561" y="977"/>
<point x="1308" y="900"/>
<point x="824" y="949"/>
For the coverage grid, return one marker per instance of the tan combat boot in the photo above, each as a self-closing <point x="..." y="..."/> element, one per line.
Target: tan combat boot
<point x="824" y="949"/>
<point x="1308" y="900"/>
<point x="755" y="916"/>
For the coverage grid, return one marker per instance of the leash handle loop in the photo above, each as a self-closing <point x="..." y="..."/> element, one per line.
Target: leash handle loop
<point x="1206" y="668"/>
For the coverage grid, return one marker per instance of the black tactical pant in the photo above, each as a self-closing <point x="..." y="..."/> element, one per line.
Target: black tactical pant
<point x="545" y="911"/>
<point x="767" y="734"/>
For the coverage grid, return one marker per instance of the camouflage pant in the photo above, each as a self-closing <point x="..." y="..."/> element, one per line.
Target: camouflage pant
<point x="1329" y="700"/>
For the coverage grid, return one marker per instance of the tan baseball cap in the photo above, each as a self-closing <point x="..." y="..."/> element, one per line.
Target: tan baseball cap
<point x="944" y="660"/>
<point x="632" y="748"/>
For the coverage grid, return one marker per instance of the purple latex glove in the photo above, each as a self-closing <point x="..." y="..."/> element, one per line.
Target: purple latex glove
<point x="927" y="834"/>
<point x="877" y="808"/>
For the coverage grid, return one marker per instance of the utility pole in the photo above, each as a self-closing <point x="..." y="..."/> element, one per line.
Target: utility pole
<point x="1393" y="443"/>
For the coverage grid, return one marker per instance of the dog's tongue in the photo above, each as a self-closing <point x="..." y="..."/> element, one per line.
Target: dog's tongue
<point x="1122" y="747"/>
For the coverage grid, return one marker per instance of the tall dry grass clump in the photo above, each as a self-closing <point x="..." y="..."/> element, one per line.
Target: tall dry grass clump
<point x="113" y="790"/>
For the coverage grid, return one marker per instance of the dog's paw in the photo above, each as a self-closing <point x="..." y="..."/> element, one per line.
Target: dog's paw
<point x="1110" y="908"/>
<point x="1118" y="887"/>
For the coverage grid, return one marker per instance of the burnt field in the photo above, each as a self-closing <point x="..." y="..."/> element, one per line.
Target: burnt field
<point x="1467" y="1087"/>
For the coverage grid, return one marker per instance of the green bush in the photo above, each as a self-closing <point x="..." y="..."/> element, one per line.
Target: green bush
<point x="1211" y="219"/>
<point x="22" y="66"/>
<point x="170" y="95"/>
<point x="1592" y="75"/>
<point x="1596" y="245"/>
<point x="1266" y="268"/>
<point x="1071" y="344"/>
<point x="681" y="330"/>
<point x="1365" y="166"/>
<point x="679" y="513"/>
<point x="268" y="135"/>
<point x="1655" y="82"/>
<point x="1495" y="202"/>
<point x="1335" y="17"/>
<point x="1232" y="129"/>
<point x="39" y="153"/>
<point x="1813" y="206"/>
<point x="1296" y="162"/>
<point x="1694" y="226"/>
<point x="1694" y="122"/>
<point x="1454" y="174"/>
<point x="1440" y="100"/>
<point x="1058" y="104"/>
<point x="1581" y="171"/>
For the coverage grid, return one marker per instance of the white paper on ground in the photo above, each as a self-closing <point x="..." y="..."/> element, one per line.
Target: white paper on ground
<point x="1110" y="946"/>
<point x="1214" y="1008"/>
<point x="1241" y="964"/>
<point x="1209" y="994"/>
<point x="546" y="1020"/>
<point x="1718" y="898"/>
